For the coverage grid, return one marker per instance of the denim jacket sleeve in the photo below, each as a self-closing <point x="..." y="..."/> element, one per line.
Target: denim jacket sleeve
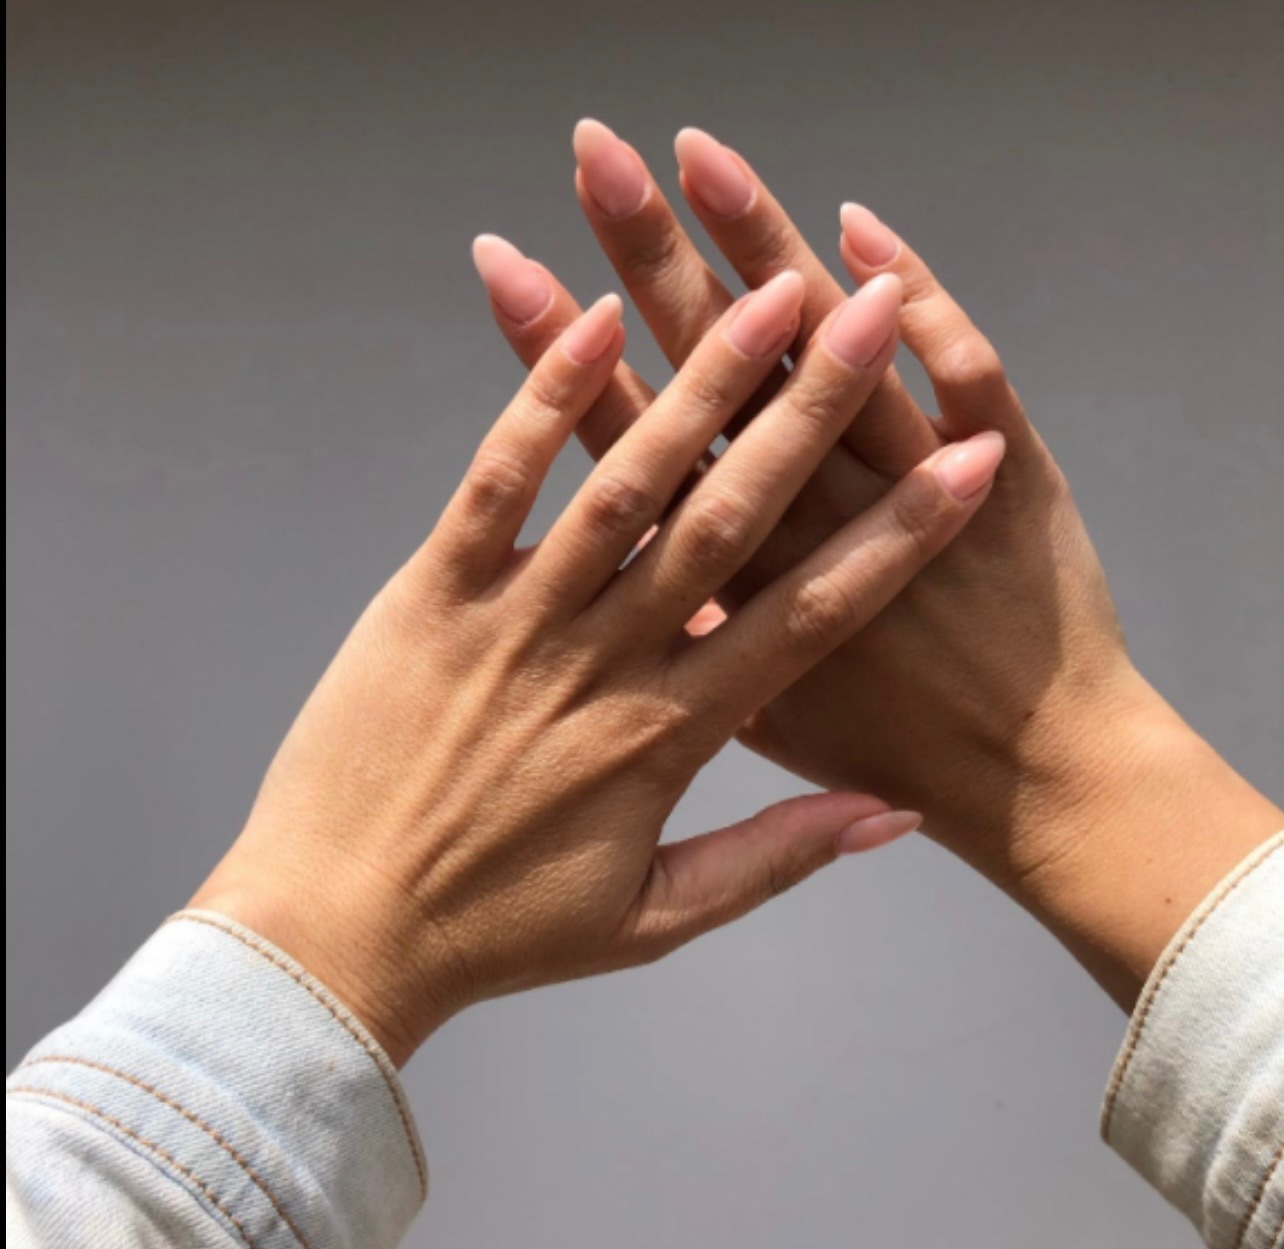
<point x="216" y="1094"/>
<point x="1196" y="1100"/>
<point x="213" y="1094"/>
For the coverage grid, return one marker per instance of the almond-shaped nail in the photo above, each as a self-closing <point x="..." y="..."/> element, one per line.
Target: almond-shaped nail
<point x="714" y="174"/>
<point x="766" y="319"/>
<point x="515" y="283"/>
<point x="968" y="467"/>
<point x="877" y="830"/>
<point x="588" y="337"/>
<point x="865" y="322"/>
<point x="613" y="173"/>
<point x="871" y="241"/>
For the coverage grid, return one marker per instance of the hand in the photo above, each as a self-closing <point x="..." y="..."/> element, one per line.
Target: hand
<point x="471" y="801"/>
<point x="996" y="694"/>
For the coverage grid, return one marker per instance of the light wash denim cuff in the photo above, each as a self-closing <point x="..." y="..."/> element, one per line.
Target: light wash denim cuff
<point x="229" y="1068"/>
<point x="1196" y="1100"/>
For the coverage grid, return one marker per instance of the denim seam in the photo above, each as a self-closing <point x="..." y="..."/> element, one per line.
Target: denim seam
<point x="1262" y="1190"/>
<point x="261" y="947"/>
<point x="1209" y="908"/>
<point x="193" y="1118"/>
<point x="151" y="1146"/>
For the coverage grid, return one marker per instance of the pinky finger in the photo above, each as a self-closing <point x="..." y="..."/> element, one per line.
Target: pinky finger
<point x="474" y="537"/>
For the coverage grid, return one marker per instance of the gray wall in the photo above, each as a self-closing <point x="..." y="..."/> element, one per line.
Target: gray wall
<point x="248" y="356"/>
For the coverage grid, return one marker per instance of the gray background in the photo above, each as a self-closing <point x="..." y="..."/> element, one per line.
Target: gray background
<point x="248" y="356"/>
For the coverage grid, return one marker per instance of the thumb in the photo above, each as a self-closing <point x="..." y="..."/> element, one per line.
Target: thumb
<point x="707" y="881"/>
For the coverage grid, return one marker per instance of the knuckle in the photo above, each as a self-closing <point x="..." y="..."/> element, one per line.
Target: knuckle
<point x="545" y="395"/>
<point x="709" y="389"/>
<point x="769" y="252"/>
<point x="916" y="518"/>
<point x="814" y="403"/>
<point x="817" y="614"/>
<point x="969" y="362"/>
<point x="496" y="483"/>
<point x="718" y="531"/>
<point x="616" y="505"/>
<point x="654" y="252"/>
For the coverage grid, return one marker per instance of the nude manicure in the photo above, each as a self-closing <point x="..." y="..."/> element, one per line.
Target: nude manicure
<point x="872" y="242"/>
<point x="587" y="339"/>
<point x="966" y="469"/>
<point x="515" y="283"/>
<point x="865" y="322"/>
<point x="766" y="319"/>
<point x="877" y="830"/>
<point x="714" y="174"/>
<point x="613" y="173"/>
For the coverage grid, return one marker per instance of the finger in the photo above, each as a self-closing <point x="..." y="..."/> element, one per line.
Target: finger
<point x="717" y="529"/>
<point x="531" y="308"/>
<point x="753" y="231"/>
<point x="704" y="882"/>
<point x="678" y="295"/>
<point x="475" y="535"/>
<point x="964" y="369"/>
<point x="796" y="621"/>
<point x="629" y="490"/>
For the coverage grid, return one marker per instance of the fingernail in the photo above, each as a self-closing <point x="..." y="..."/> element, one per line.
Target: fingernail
<point x="613" y="172"/>
<point x="877" y="830"/>
<point x="714" y="174"/>
<point x="868" y="237"/>
<point x="968" y="468"/>
<point x="516" y="284"/>
<point x="586" y="338"/>
<point x="865" y="322"/>
<point x="766" y="318"/>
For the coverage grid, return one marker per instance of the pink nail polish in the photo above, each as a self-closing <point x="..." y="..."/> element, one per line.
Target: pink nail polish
<point x="613" y="172"/>
<point x="865" y="322"/>
<point x="877" y="830"/>
<point x="587" y="338"/>
<point x="967" y="468"/>
<point x="514" y="283"/>
<point x="714" y="175"/>
<point x="766" y="318"/>
<point x="871" y="241"/>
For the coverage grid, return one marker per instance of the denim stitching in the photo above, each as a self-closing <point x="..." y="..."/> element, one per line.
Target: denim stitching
<point x="192" y="1118"/>
<point x="276" y="959"/>
<point x="32" y="1091"/>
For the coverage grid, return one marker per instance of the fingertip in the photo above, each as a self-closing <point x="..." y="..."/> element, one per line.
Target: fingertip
<point x="591" y="335"/>
<point x="873" y="831"/>
<point x="490" y="250"/>
<point x="967" y="468"/>
<point x="518" y="286"/>
<point x="588" y="132"/>
<point x="872" y="242"/>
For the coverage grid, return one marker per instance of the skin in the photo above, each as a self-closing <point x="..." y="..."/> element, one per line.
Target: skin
<point x="996" y="695"/>
<point x="471" y="802"/>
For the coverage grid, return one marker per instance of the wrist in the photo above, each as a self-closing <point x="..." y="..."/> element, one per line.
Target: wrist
<point x="348" y="933"/>
<point x="1124" y="830"/>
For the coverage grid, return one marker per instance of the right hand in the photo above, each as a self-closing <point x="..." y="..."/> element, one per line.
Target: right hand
<point x="471" y="801"/>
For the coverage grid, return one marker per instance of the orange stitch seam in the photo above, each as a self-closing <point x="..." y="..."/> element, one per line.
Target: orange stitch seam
<point x="192" y="1118"/>
<point x="32" y="1091"/>
<point x="273" y="958"/>
<point x="1134" y="1040"/>
<point x="1251" y="1213"/>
